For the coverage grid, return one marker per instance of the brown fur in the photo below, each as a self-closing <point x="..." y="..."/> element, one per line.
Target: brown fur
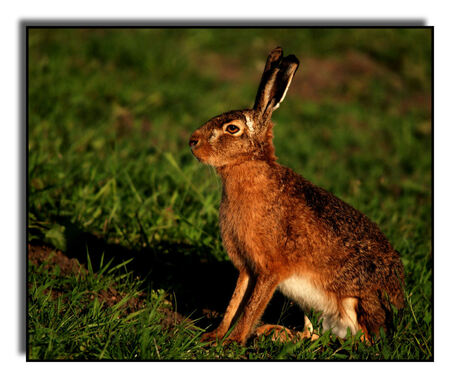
<point x="276" y="225"/>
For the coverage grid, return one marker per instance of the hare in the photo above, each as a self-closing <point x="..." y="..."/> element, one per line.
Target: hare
<point x="283" y="232"/>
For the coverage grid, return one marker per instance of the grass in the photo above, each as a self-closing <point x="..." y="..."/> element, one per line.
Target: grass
<point x="110" y="176"/>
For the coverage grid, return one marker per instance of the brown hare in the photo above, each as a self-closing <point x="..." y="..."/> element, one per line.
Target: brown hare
<point x="283" y="232"/>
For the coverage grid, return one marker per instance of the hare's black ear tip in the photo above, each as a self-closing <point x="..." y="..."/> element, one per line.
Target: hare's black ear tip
<point x="292" y="59"/>
<point x="276" y="53"/>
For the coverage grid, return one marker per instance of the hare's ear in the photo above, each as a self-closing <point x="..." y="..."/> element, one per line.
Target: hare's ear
<point x="276" y="78"/>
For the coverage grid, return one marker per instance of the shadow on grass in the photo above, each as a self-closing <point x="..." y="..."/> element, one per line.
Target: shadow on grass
<point x="201" y="285"/>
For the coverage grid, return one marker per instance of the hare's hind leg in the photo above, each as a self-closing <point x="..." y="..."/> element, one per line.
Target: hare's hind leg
<point x="283" y="334"/>
<point x="348" y="316"/>
<point x="372" y="315"/>
<point x="277" y="332"/>
<point x="344" y="318"/>
<point x="308" y="330"/>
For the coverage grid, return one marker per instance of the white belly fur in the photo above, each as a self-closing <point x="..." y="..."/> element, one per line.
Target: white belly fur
<point x="303" y="291"/>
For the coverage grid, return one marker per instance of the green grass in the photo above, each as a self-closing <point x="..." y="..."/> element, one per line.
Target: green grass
<point x="111" y="175"/>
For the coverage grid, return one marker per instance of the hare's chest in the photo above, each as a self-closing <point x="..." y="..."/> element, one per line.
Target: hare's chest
<point x="242" y="214"/>
<point x="242" y="227"/>
<point x="235" y="221"/>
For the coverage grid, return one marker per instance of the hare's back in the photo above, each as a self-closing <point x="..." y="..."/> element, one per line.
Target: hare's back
<point x="339" y="219"/>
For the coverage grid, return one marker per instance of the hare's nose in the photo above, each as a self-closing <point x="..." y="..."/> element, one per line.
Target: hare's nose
<point x="193" y="142"/>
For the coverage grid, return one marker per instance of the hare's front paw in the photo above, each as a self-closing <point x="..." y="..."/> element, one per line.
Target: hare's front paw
<point x="234" y="338"/>
<point x="215" y="337"/>
<point x="212" y="336"/>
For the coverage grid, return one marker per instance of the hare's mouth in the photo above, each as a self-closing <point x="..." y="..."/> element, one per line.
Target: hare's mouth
<point x="202" y="153"/>
<point x="197" y="157"/>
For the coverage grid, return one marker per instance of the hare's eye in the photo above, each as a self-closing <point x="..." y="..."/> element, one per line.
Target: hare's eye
<point x="232" y="129"/>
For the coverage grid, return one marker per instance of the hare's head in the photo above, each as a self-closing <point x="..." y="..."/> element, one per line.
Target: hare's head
<point x="240" y="135"/>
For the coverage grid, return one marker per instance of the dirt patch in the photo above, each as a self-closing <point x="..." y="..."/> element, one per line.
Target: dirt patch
<point x="41" y="254"/>
<point x="111" y="297"/>
<point x="341" y="78"/>
<point x="172" y="318"/>
<point x="51" y="258"/>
